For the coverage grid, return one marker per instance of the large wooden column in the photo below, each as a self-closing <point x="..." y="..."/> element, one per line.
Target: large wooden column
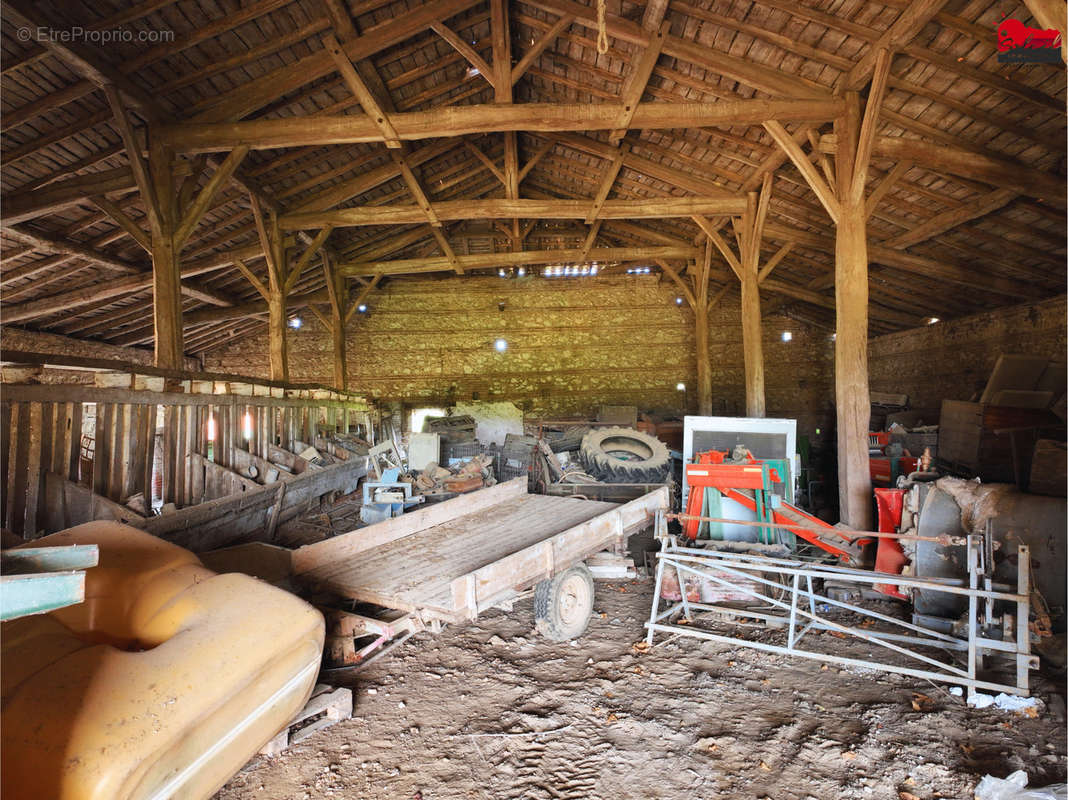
<point x="166" y="273"/>
<point x="749" y="234"/>
<point x="852" y="398"/>
<point x="843" y="196"/>
<point x="155" y="183"/>
<point x="704" y="366"/>
<point x="335" y="286"/>
<point x="274" y="254"/>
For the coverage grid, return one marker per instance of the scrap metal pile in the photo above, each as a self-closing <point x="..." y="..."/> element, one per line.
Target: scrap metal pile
<point x="953" y="595"/>
<point x="594" y="455"/>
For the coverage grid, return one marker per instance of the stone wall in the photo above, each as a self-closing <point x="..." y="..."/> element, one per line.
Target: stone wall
<point x="573" y="345"/>
<point x="952" y="360"/>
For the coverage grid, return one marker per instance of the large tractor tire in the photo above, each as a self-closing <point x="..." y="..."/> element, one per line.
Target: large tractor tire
<point x="624" y="455"/>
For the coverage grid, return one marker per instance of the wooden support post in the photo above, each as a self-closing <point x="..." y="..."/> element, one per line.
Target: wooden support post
<point x="852" y="397"/>
<point x="279" y="355"/>
<point x="700" y="312"/>
<point x="335" y="284"/>
<point x="275" y="255"/>
<point x="166" y="273"/>
<point x="704" y="371"/>
<point x="752" y="346"/>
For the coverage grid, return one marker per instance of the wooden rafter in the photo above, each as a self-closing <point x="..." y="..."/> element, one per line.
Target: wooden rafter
<point x="536" y="49"/>
<point x="356" y="85"/>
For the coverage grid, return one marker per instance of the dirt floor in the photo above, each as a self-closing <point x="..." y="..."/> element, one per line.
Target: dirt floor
<point x="491" y="710"/>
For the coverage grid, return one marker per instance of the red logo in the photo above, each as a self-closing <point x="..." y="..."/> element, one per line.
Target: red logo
<point x="1021" y="44"/>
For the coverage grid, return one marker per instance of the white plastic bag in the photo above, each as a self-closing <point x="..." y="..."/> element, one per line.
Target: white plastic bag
<point x="1014" y="788"/>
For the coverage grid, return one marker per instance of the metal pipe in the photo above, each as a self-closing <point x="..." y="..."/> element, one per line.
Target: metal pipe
<point x="944" y="539"/>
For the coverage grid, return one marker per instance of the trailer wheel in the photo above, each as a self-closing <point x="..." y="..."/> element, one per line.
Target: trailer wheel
<point x="564" y="603"/>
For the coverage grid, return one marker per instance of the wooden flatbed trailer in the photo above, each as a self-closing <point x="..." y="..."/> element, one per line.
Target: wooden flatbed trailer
<point x="453" y="560"/>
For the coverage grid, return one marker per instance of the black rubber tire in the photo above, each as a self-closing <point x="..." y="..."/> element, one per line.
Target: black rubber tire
<point x="650" y="460"/>
<point x="563" y="604"/>
<point x="570" y="441"/>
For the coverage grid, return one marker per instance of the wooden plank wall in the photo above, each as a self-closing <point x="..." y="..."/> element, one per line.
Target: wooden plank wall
<point x="41" y="430"/>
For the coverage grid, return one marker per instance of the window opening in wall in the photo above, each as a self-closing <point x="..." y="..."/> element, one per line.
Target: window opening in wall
<point x="209" y="436"/>
<point x="420" y="414"/>
<point x="87" y="444"/>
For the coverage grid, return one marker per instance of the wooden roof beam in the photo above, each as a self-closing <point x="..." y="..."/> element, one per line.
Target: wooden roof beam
<point x="823" y="191"/>
<point x="23" y="206"/>
<point x="523" y="257"/>
<point x="472" y="56"/>
<point x="359" y="89"/>
<point x="473" y="119"/>
<point x="195" y="210"/>
<point x="773" y="81"/>
<point x="940" y="223"/>
<point x="904" y="29"/>
<point x="539" y="46"/>
<point x="1004" y="172"/>
<point x="242" y="100"/>
<point x="525" y="209"/>
<point x="637" y="79"/>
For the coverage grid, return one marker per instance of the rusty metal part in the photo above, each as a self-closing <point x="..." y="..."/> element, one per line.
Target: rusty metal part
<point x="943" y="539"/>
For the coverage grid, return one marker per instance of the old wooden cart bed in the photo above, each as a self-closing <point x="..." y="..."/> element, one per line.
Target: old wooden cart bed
<point x="448" y="562"/>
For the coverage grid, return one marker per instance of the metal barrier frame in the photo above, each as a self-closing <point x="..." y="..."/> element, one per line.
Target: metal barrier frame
<point x="798" y="603"/>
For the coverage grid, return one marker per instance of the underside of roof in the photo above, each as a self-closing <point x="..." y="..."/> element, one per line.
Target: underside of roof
<point x="965" y="188"/>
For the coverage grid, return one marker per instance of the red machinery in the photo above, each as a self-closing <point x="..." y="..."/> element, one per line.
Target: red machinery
<point x="748" y="481"/>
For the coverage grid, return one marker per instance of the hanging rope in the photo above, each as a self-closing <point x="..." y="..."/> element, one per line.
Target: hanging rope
<point x="602" y="29"/>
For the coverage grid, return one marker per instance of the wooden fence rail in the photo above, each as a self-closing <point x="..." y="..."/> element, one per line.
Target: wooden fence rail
<point x="145" y="434"/>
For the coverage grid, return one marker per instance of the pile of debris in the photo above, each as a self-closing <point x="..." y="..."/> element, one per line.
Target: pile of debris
<point x="596" y="455"/>
<point x="436" y="480"/>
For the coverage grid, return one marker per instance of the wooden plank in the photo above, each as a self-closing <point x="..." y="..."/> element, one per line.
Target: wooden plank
<point x="312" y="556"/>
<point x="192" y="214"/>
<point x="126" y="440"/>
<point x="170" y="436"/>
<point x="80" y="505"/>
<point x="226" y="520"/>
<point x="98" y="394"/>
<point x="5" y="459"/>
<point x="415" y="572"/>
<point x="12" y="413"/>
<point x="49" y="428"/>
<point x="33" y="470"/>
<point x="545" y="558"/>
<point x="101" y="445"/>
<point x="74" y="460"/>
<point x="752" y="345"/>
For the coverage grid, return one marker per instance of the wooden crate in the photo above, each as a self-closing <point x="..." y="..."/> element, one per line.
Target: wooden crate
<point x="968" y="438"/>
